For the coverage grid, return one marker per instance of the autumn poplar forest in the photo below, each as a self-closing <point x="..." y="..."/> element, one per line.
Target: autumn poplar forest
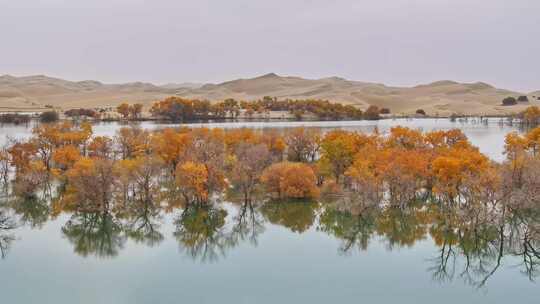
<point x="197" y="167"/>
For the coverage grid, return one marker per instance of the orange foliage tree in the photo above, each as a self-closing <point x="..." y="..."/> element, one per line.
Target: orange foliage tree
<point x="90" y="186"/>
<point x="398" y="167"/>
<point x="171" y="146"/>
<point x="290" y="180"/>
<point x="192" y="182"/>
<point x="65" y="157"/>
<point x="123" y="109"/>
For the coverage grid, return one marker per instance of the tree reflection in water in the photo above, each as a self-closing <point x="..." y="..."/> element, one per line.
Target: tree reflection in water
<point x="32" y="210"/>
<point x="199" y="229"/>
<point x="7" y="224"/>
<point x="204" y="234"/>
<point x="98" y="234"/>
<point x="402" y="227"/>
<point x="473" y="241"/>
<point x="143" y="223"/>
<point x="524" y="241"/>
<point x="298" y="216"/>
<point x="467" y="242"/>
<point x="472" y="245"/>
<point x="355" y="230"/>
<point x="248" y="224"/>
<point x="104" y="234"/>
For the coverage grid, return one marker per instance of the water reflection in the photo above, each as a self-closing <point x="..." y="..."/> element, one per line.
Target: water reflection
<point x="470" y="249"/>
<point x="354" y="230"/>
<point x="95" y="234"/>
<point x="7" y="225"/>
<point x="200" y="232"/>
<point x="143" y="221"/>
<point x="402" y="227"/>
<point x="469" y="245"/>
<point x="248" y="224"/>
<point x="31" y="210"/>
<point x="296" y="216"/>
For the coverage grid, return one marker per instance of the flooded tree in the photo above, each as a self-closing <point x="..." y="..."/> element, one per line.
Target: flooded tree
<point x="290" y="180"/>
<point x="247" y="165"/>
<point x="90" y="186"/>
<point x="303" y="144"/>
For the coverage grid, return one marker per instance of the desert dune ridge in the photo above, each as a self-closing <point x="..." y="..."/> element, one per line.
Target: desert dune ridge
<point x="438" y="98"/>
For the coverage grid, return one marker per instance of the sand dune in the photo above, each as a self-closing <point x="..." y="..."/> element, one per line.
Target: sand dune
<point x="441" y="97"/>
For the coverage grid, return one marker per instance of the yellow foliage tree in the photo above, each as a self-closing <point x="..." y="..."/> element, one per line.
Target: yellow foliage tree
<point x="123" y="109"/>
<point x="66" y="156"/>
<point x="171" y="146"/>
<point x="192" y="181"/>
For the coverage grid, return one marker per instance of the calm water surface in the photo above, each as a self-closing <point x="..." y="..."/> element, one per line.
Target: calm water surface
<point x="294" y="253"/>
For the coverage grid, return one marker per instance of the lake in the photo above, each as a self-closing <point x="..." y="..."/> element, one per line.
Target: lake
<point x="489" y="138"/>
<point x="298" y="252"/>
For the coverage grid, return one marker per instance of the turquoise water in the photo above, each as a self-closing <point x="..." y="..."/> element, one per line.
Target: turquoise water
<point x="289" y="253"/>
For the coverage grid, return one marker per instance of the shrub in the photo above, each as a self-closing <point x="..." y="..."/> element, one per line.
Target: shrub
<point x="80" y="112"/>
<point x="523" y="98"/>
<point x="372" y="113"/>
<point x="48" y="116"/>
<point x="385" y="111"/>
<point x="420" y="112"/>
<point x="509" y="101"/>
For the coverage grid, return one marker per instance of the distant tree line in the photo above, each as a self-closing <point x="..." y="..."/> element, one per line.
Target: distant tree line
<point x="81" y="113"/>
<point x="181" y="109"/>
<point x="14" y="118"/>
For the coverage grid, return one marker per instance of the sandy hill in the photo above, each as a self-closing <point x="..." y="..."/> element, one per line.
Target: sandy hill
<point x="441" y="97"/>
<point x="40" y="91"/>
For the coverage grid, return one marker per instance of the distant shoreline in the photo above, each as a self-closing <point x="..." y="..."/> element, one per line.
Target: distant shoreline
<point x="35" y="117"/>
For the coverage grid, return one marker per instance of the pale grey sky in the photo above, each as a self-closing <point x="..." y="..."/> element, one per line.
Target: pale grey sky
<point x="397" y="42"/>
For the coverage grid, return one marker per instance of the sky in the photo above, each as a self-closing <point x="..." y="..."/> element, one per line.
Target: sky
<point x="396" y="42"/>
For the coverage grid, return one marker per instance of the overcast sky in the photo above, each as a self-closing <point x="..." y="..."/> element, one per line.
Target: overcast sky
<point x="397" y="42"/>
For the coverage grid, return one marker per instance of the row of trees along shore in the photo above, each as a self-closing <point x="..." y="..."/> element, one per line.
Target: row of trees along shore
<point x="184" y="167"/>
<point x="181" y="110"/>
